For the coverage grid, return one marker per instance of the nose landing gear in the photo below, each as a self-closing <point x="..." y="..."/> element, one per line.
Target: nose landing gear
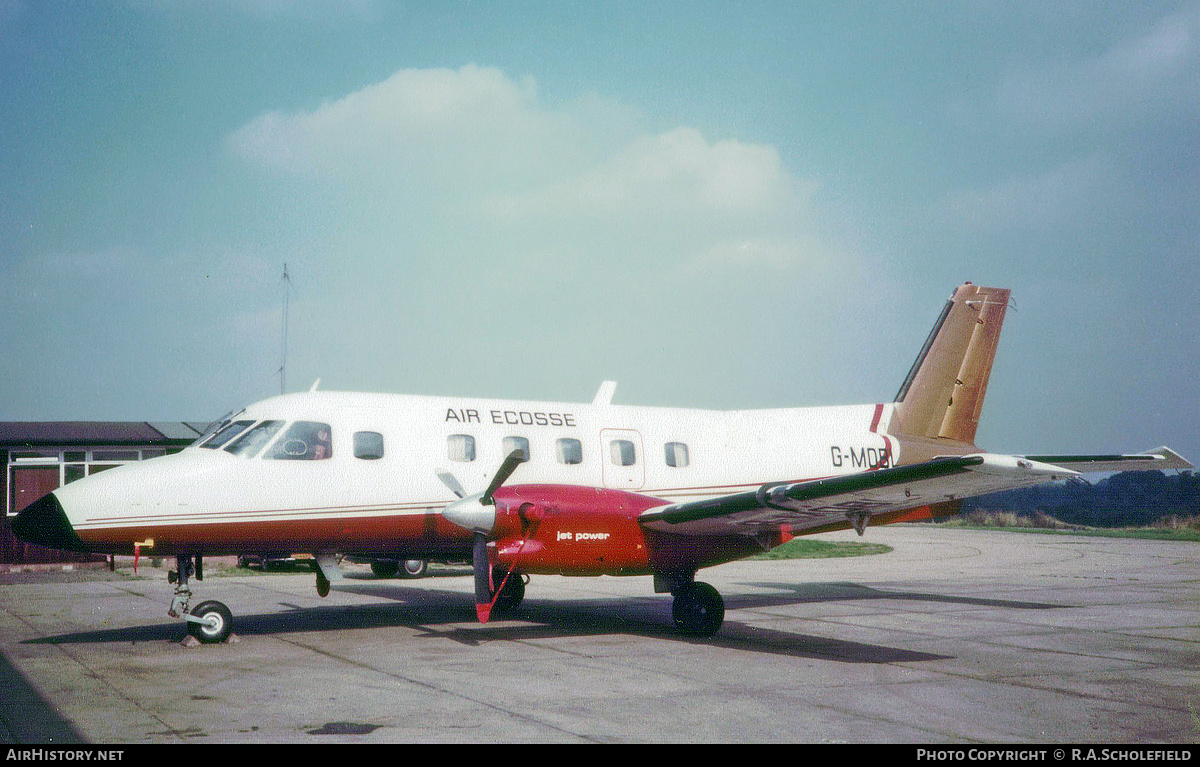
<point x="211" y="622"/>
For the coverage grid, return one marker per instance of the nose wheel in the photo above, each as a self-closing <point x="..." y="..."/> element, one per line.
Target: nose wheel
<point x="211" y="622"/>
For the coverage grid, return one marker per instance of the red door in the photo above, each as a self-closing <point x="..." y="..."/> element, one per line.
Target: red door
<point x="30" y="483"/>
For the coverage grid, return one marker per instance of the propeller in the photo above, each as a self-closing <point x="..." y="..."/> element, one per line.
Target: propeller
<point x="477" y="513"/>
<point x="451" y="482"/>
<point x="483" y="578"/>
<point x="514" y="459"/>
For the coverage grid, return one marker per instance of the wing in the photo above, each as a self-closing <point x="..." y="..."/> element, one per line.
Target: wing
<point x="855" y="498"/>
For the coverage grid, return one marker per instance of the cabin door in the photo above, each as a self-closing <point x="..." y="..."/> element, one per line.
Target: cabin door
<point x="623" y="459"/>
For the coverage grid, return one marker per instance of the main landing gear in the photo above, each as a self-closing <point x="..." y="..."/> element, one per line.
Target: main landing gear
<point x="408" y="568"/>
<point x="698" y="609"/>
<point x="210" y="622"/>
<point x="508" y="589"/>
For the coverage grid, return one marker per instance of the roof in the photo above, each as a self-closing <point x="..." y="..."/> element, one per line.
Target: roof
<point x="31" y="433"/>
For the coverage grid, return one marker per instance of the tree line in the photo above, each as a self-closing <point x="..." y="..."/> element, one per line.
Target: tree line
<point x="1125" y="499"/>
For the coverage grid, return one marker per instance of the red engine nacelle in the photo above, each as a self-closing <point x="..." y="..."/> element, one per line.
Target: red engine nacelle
<point x="570" y="530"/>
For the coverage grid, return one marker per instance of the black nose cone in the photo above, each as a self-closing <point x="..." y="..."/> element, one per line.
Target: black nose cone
<point x="44" y="523"/>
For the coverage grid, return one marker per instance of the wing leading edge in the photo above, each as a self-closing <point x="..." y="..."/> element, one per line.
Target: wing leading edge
<point x="855" y="498"/>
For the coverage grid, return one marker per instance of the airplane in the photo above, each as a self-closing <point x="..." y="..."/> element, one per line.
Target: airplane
<point x="605" y="489"/>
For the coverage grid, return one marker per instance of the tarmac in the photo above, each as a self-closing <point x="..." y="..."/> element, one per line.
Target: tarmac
<point x="956" y="636"/>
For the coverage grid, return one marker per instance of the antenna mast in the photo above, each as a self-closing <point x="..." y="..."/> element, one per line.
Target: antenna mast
<point x="287" y="283"/>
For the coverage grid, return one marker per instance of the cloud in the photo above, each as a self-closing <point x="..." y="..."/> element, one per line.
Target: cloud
<point x="1136" y="77"/>
<point x="1073" y="193"/>
<point x="432" y="126"/>
<point x="473" y="148"/>
<point x="674" y="172"/>
<point x="586" y="242"/>
<point x="762" y="255"/>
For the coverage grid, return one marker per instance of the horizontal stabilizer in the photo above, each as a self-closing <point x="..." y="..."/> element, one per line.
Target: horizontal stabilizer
<point x="1159" y="458"/>
<point x="820" y="503"/>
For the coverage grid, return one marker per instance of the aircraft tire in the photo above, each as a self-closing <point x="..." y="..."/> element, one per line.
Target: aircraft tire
<point x="413" y="568"/>
<point x="384" y="568"/>
<point x="698" y="610"/>
<point x="209" y="611"/>
<point x="514" y="590"/>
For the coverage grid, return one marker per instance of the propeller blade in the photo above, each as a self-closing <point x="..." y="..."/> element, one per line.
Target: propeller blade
<point x="514" y="459"/>
<point x="478" y="514"/>
<point x="450" y="481"/>
<point x="483" y="578"/>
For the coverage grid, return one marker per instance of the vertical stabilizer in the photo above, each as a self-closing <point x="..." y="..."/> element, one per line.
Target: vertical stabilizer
<point x="943" y="393"/>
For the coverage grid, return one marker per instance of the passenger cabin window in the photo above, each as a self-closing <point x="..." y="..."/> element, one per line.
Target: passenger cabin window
<point x="303" y="441"/>
<point x="569" y="451"/>
<point x="461" y="447"/>
<point x="368" y="445"/>
<point x="254" y="440"/>
<point x="677" y="454"/>
<point x="622" y="453"/>
<point x="225" y="434"/>
<point x="516" y="443"/>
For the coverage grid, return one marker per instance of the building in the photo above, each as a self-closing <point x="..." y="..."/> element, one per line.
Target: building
<point x="40" y="456"/>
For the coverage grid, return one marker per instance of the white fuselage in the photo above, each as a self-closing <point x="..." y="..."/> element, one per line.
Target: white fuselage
<point x="713" y="452"/>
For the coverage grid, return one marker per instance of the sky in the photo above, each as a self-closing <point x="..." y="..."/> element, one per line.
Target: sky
<point x="718" y="205"/>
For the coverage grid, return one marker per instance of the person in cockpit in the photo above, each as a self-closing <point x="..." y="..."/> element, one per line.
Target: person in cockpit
<point x="321" y="445"/>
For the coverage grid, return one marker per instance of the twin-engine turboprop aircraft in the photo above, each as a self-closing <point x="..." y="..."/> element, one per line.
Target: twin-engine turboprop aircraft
<point x="604" y="489"/>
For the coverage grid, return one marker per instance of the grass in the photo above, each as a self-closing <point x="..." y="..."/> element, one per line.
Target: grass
<point x="1143" y="533"/>
<point x="806" y="548"/>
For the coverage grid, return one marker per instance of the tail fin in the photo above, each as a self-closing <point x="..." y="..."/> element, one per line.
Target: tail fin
<point x="943" y="393"/>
